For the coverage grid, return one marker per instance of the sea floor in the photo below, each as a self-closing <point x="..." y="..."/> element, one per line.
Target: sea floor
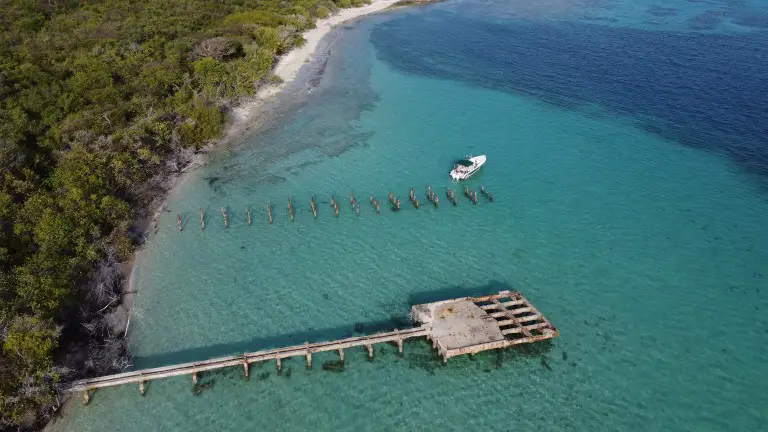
<point x="649" y="256"/>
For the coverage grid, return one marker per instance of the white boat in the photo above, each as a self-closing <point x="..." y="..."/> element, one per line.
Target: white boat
<point x="465" y="168"/>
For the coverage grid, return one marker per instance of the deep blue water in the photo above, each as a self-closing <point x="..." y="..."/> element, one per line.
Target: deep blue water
<point x="704" y="90"/>
<point x="625" y="139"/>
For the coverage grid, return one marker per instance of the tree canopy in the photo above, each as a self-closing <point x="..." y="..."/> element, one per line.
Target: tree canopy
<point x="98" y="102"/>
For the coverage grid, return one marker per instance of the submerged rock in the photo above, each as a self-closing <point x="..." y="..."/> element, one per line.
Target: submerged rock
<point x="336" y="366"/>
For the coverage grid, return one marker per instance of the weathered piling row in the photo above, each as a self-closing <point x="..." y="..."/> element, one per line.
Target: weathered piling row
<point x="290" y="209"/>
<point x="393" y="200"/>
<point x="486" y="193"/>
<point x="225" y="216"/>
<point x="335" y="205"/>
<point x="412" y="198"/>
<point x="375" y="204"/>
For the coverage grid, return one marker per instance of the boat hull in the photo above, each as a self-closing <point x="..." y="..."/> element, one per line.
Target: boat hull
<point x="465" y="172"/>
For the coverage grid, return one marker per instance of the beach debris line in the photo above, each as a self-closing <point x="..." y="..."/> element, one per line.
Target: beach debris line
<point x="466" y="325"/>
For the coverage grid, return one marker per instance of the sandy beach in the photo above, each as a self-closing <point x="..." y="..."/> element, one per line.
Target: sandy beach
<point x="287" y="69"/>
<point x="289" y="65"/>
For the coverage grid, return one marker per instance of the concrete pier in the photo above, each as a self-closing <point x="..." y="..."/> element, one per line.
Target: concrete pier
<point x="466" y="325"/>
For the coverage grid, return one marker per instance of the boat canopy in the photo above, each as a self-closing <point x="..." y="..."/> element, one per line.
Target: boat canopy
<point x="465" y="162"/>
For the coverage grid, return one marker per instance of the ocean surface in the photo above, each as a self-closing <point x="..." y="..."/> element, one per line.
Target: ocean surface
<point x="628" y="155"/>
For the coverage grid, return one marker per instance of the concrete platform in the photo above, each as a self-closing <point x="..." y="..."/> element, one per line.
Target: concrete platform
<point x="474" y="324"/>
<point x="459" y="326"/>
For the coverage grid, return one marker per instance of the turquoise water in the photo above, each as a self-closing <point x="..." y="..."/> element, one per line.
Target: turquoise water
<point x="649" y="253"/>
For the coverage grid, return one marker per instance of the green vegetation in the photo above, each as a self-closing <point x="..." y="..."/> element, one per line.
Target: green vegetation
<point x="99" y="103"/>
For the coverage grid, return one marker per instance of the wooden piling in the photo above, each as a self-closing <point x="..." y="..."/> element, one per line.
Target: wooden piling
<point x="202" y="219"/>
<point x="225" y="216"/>
<point x="498" y="321"/>
<point x="399" y="342"/>
<point x="178" y="222"/>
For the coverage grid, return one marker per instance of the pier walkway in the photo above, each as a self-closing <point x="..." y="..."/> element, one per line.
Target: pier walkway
<point x="455" y="327"/>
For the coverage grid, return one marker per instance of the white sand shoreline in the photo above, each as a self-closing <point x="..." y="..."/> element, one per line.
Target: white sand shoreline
<point x="287" y="69"/>
<point x="288" y="66"/>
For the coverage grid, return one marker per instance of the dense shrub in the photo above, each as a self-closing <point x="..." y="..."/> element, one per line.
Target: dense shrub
<point x="98" y="102"/>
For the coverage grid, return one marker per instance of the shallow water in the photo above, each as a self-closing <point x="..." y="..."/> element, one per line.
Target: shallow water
<point x="646" y="245"/>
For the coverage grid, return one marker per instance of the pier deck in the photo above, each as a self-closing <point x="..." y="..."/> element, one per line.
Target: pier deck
<point x="465" y="325"/>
